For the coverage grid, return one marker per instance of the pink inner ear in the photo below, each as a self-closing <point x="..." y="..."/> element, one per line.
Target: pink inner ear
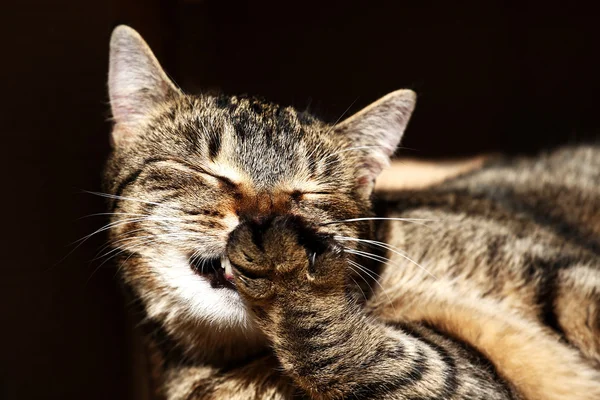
<point x="364" y="180"/>
<point x="136" y="81"/>
<point x="368" y="171"/>
<point x="123" y="108"/>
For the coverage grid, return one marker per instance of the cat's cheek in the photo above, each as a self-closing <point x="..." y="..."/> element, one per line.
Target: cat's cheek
<point x="183" y="292"/>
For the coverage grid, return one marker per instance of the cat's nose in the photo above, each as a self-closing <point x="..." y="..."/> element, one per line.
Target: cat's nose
<point x="262" y="207"/>
<point x="259" y="222"/>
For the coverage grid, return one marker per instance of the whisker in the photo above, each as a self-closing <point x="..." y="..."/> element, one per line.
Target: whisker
<point x="357" y="148"/>
<point x="366" y="271"/>
<point x="110" y="243"/>
<point x="334" y="125"/>
<point x="108" y="226"/>
<point x="411" y="220"/>
<point x="388" y="247"/>
<point x="361" y="277"/>
<point x="84" y="239"/>
<point x="124" y="221"/>
<point x="114" y="213"/>
<point x="128" y="240"/>
<point x="358" y="286"/>
<point x="370" y="256"/>
<point x="115" y="197"/>
<point x="122" y="250"/>
<point x="362" y="268"/>
<point x="344" y="151"/>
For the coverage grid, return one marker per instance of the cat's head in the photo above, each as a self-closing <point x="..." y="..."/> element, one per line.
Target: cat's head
<point x="187" y="170"/>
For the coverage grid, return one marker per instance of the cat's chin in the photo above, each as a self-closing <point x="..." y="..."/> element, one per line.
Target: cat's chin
<point x="208" y="299"/>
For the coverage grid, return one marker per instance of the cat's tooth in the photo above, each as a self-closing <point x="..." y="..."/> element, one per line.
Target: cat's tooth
<point x="226" y="264"/>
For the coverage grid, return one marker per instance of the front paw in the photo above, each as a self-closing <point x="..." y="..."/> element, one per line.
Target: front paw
<point x="282" y="257"/>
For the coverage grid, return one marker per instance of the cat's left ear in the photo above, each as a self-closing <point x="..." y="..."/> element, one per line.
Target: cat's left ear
<point x="374" y="133"/>
<point x="136" y="81"/>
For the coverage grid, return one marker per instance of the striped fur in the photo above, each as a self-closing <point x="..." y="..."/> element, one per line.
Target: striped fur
<point x="488" y="289"/>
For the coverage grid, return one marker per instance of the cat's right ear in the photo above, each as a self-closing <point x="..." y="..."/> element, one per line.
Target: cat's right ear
<point x="376" y="130"/>
<point x="136" y="81"/>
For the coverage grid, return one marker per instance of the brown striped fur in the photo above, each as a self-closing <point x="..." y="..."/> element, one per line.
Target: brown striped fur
<point x="488" y="289"/>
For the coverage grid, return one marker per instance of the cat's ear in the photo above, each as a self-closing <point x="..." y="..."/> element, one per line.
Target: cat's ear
<point x="136" y="81"/>
<point x="374" y="133"/>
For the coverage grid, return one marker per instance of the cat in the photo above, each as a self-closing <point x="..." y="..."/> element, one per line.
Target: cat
<point x="263" y="266"/>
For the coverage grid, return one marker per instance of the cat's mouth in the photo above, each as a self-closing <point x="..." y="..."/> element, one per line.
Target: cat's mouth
<point x="216" y="270"/>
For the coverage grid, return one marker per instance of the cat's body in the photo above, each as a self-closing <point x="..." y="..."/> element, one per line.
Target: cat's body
<point x="489" y="288"/>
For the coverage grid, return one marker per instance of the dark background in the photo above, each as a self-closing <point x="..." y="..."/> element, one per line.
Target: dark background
<point x="510" y="76"/>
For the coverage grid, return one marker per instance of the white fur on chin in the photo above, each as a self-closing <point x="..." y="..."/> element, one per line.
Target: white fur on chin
<point x="189" y="293"/>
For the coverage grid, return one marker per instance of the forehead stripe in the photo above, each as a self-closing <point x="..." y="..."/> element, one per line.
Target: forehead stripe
<point x="214" y="145"/>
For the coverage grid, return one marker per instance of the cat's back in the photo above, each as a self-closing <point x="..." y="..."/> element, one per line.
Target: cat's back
<point x="553" y="196"/>
<point x="559" y="188"/>
<point x="508" y="251"/>
<point x="507" y="231"/>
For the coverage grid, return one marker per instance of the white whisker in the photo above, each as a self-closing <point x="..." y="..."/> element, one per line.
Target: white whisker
<point x="388" y="247"/>
<point x="358" y="286"/>
<point x="370" y="256"/>
<point x="125" y="221"/>
<point x="340" y="117"/>
<point x="121" y="250"/>
<point x="115" y="197"/>
<point x="131" y="239"/>
<point x="354" y="149"/>
<point x="417" y="221"/>
<point x="344" y="151"/>
<point x="366" y="271"/>
<point x="361" y="277"/>
<point x="115" y="213"/>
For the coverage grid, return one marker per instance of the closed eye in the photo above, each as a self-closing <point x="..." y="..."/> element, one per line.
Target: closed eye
<point x="175" y="163"/>
<point x="319" y="196"/>
<point x="298" y="195"/>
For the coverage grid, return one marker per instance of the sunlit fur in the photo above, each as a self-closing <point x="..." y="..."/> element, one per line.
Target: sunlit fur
<point x="193" y="201"/>
<point x="481" y="294"/>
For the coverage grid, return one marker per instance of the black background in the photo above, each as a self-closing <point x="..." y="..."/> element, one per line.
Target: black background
<point x="510" y="76"/>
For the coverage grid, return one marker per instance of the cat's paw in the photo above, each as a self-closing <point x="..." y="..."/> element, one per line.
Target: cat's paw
<point x="282" y="257"/>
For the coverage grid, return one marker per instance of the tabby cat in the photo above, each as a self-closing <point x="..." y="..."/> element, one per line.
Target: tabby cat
<point x="247" y="234"/>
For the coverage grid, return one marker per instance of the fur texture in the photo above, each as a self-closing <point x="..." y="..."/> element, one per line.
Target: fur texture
<point x="485" y="287"/>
